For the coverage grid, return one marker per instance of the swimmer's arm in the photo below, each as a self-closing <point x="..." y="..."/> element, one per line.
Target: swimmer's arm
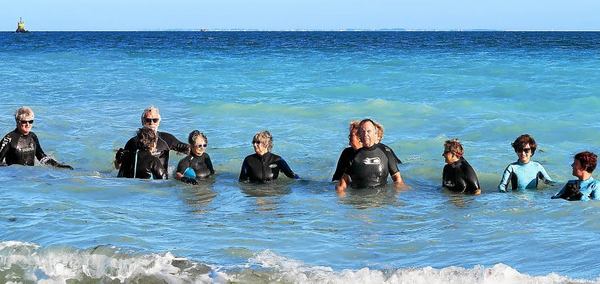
<point x="505" y="179"/>
<point x="342" y="184"/>
<point x="4" y="146"/>
<point x="209" y="164"/>
<point x="180" y="169"/>
<point x="244" y="171"/>
<point x="285" y="168"/>
<point x="39" y="153"/>
<point x="543" y="175"/>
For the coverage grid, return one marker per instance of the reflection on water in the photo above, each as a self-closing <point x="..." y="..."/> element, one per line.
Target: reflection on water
<point x="371" y="197"/>
<point x="199" y="196"/>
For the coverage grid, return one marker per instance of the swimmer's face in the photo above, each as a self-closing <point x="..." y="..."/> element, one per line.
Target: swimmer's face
<point x="447" y="157"/>
<point x="260" y="147"/>
<point x="524" y="154"/>
<point x="368" y="134"/>
<point x="152" y="120"/>
<point x="199" y="146"/>
<point x="24" y="124"/>
<point x="354" y="139"/>
<point x="578" y="170"/>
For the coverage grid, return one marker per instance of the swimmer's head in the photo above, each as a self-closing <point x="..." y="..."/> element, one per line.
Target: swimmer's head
<point x="24" y="118"/>
<point x="368" y="132"/>
<point x="453" y="147"/>
<point x="198" y="142"/>
<point x="151" y="118"/>
<point x="262" y="142"/>
<point x="524" y="141"/>
<point x="353" y="137"/>
<point x="584" y="161"/>
<point x="147" y="138"/>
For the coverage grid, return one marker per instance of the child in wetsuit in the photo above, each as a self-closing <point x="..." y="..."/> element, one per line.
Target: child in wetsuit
<point x="197" y="165"/>
<point x="146" y="164"/>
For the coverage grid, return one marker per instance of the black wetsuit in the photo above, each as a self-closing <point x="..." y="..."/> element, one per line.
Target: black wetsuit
<point x="460" y="177"/>
<point x="202" y="165"/>
<point x="260" y="169"/>
<point x="165" y="143"/>
<point x="16" y="148"/>
<point x="346" y="157"/>
<point x="149" y="166"/>
<point x="369" y="167"/>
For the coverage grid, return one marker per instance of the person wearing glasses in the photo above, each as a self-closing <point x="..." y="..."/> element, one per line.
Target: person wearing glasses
<point x="371" y="164"/>
<point x="524" y="173"/>
<point x="585" y="187"/>
<point x="458" y="175"/>
<point x="21" y="146"/>
<point x="125" y="157"/>
<point x="264" y="166"/>
<point x="146" y="165"/>
<point x="197" y="165"/>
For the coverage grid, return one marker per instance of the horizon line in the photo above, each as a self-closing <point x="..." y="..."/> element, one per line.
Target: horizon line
<point x="311" y="30"/>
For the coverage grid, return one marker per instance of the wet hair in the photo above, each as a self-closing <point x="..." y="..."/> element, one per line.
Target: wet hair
<point x="264" y="137"/>
<point x="147" y="110"/>
<point x="587" y="160"/>
<point x="453" y="146"/>
<point x="23" y="112"/>
<point x="354" y="126"/>
<point x="522" y="141"/>
<point x="146" y="138"/>
<point x="194" y="135"/>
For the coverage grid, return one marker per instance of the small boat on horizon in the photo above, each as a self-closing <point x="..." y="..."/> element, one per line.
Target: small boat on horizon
<point x="21" y="26"/>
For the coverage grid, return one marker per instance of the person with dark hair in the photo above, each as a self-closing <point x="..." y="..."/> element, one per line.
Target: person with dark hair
<point x="371" y="164"/>
<point x="264" y="166"/>
<point x="524" y="173"/>
<point x="458" y="175"/>
<point x="125" y="157"/>
<point x="585" y="187"/>
<point x="354" y="144"/>
<point x="197" y="165"/>
<point x="21" y="146"/>
<point x="146" y="165"/>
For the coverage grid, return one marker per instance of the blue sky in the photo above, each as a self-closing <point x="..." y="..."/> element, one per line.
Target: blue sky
<point x="295" y="14"/>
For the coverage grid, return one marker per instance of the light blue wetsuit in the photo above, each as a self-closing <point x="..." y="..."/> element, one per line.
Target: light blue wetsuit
<point x="523" y="176"/>
<point x="589" y="188"/>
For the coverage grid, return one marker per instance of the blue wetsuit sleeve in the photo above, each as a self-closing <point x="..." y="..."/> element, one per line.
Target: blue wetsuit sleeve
<point x="244" y="171"/>
<point x="595" y="194"/>
<point x="543" y="175"/>
<point x="505" y="179"/>
<point x="209" y="164"/>
<point x="285" y="168"/>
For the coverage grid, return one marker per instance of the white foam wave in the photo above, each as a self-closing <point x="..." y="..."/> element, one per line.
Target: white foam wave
<point x="294" y="271"/>
<point x="22" y="262"/>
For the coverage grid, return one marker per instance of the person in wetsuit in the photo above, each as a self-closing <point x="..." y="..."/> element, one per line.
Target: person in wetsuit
<point x="125" y="157"/>
<point x="524" y="173"/>
<point x="147" y="166"/>
<point x="264" y="166"/>
<point x="198" y="161"/>
<point x="371" y="164"/>
<point x="355" y="144"/>
<point x="348" y="153"/>
<point x="21" y="146"/>
<point x="458" y="175"/>
<point x="585" y="187"/>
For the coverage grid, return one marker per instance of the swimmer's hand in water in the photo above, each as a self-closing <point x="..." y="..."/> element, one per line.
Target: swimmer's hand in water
<point x="64" y="166"/>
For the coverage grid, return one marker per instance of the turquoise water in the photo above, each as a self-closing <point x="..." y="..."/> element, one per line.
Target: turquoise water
<point x="89" y="89"/>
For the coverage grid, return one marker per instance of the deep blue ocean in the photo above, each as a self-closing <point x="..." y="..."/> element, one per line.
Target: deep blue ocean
<point x="88" y="90"/>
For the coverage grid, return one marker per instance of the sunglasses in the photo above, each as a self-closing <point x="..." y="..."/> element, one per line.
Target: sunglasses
<point x="26" y="121"/>
<point x="526" y="150"/>
<point x="201" y="145"/>
<point x="149" y="120"/>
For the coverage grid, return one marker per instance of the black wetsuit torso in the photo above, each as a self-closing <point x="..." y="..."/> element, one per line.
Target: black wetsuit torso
<point x="165" y="143"/>
<point x="346" y="157"/>
<point x="258" y="169"/>
<point x="16" y="148"/>
<point x="149" y="166"/>
<point x="460" y="177"/>
<point x="202" y="165"/>
<point x="369" y="167"/>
